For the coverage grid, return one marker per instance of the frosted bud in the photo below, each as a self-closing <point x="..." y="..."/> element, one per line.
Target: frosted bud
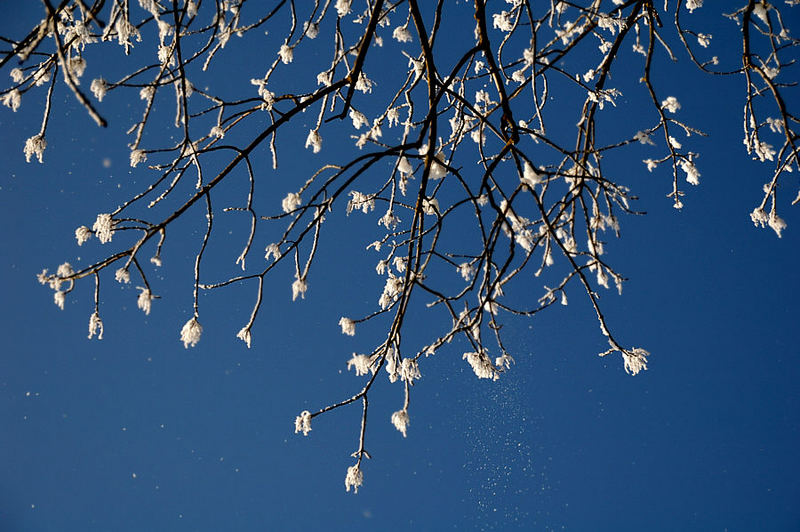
<point x="314" y="141"/>
<point x="35" y="146"/>
<point x="144" y="301"/>
<point x="190" y="333"/>
<point x="348" y="326"/>
<point x="529" y="176"/>
<point x="58" y="298"/>
<point x="286" y="54"/>
<point x="299" y="288"/>
<point x="404" y="167"/>
<point x="137" y="156"/>
<point x="343" y="7"/>
<point x="274" y="251"/>
<point x="481" y="365"/>
<point x="12" y="99"/>
<point x="400" y="420"/>
<point x="635" y="360"/>
<point x="95" y="326"/>
<point x="244" y="336"/>
<point x="362" y="364"/>
<point x="103" y="227"/>
<point x="354" y="478"/>
<point x="312" y="30"/>
<point x="302" y="423"/>
<point x="122" y="275"/>
<point x="290" y="203"/>
<point x="671" y="104"/>
<point x="401" y="34"/>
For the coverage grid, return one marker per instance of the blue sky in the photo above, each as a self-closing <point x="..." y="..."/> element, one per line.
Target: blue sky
<point x="134" y="432"/>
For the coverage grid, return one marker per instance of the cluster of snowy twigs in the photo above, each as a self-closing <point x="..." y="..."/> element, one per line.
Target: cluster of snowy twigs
<point x="487" y="131"/>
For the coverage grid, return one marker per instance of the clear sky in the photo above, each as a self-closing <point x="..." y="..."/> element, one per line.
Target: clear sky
<point x="134" y="432"/>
